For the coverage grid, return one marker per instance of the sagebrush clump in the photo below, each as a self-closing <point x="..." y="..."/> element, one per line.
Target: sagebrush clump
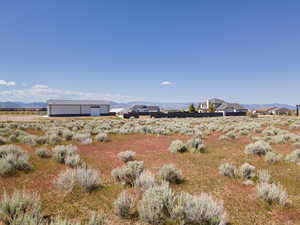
<point x="101" y="137"/>
<point x="97" y="218"/>
<point x="43" y="153"/>
<point x="272" y="193"/>
<point x="294" y="156"/>
<point x="246" y="171"/>
<point x="177" y="146"/>
<point x="201" y="209"/>
<point x="156" y="204"/>
<point x="60" y="152"/>
<point x="228" y="169"/>
<point x="272" y="157"/>
<point x="196" y="145"/>
<point x="145" y="180"/>
<point x="128" y="173"/>
<point x="126" y="156"/>
<point x="264" y="176"/>
<point x="86" y="179"/>
<point x="124" y="205"/>
<point x="12" y="159"/>
<point x="13" y="206"/>
<point x="170" y="174"/>
<point x="258" y="148"/>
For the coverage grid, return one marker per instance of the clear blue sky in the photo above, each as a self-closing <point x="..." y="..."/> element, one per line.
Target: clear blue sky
<point x="241" y="51"/>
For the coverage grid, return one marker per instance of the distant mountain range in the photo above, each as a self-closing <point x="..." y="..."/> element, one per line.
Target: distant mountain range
<point x="163" y="105"/>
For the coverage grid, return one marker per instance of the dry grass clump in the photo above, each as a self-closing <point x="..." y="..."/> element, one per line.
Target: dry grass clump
<point x="86" y="179"/>
<point x="124" y="205"/>
<point x="272" y="193"/>
<point x="170" y="174"/>
<point x="12" y="159"/>
<point x="258" y="148"/>
<point x="128" y="174"/>
<point x="126" y="156"/>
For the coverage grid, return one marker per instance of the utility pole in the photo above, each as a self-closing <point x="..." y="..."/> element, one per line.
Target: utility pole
<point x="297" y="106"/>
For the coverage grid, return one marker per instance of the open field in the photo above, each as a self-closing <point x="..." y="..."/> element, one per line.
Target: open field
<point x="222" y="140"/>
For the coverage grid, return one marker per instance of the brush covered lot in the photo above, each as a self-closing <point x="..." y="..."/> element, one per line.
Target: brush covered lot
<point x="208" y="171"/>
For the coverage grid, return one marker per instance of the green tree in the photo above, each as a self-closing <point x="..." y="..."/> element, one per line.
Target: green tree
<point x="211" y="108"/>
<point x="192" y="108"/>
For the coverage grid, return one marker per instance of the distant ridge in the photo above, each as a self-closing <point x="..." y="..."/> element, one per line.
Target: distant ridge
<point x="163" y="105"/>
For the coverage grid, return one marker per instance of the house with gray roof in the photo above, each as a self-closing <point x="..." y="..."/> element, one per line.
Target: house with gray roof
<point x="220" y="106"/>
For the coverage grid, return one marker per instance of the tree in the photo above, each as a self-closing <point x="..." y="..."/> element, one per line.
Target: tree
<point x="192" y="108"/>
<point x="211" y="108"/>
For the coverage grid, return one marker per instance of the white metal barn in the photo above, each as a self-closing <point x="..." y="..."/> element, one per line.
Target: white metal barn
<point x="77" y="108"/>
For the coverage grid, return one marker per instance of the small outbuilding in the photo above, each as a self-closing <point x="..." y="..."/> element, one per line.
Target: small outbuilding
<point x="77" y="108"/>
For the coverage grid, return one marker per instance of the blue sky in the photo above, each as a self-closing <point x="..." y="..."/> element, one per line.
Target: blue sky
<point x="175" y="51"/>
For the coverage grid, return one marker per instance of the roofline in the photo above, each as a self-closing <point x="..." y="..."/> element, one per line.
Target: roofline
<point x="75" y="102"/>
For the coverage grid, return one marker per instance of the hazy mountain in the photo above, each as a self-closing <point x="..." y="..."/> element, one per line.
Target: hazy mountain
<point x="163" y="105"/>
<point x="258" y="106"/>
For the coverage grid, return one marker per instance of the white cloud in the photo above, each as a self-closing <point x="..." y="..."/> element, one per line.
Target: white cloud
<point x="40" y="86"/>
<point x="7" y="83"/>
<point x="166" y="83"/>
<point x="43" y="92"/>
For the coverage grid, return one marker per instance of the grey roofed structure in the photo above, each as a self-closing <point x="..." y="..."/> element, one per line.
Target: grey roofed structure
<point x="76" y="102"/>
<point x="59" y="107"/>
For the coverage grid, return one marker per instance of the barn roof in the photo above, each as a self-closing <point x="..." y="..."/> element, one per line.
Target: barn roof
<point x="76" y="102"/>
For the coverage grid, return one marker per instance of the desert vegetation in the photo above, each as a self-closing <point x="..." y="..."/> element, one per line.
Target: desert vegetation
<point x="196" y="171"/>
